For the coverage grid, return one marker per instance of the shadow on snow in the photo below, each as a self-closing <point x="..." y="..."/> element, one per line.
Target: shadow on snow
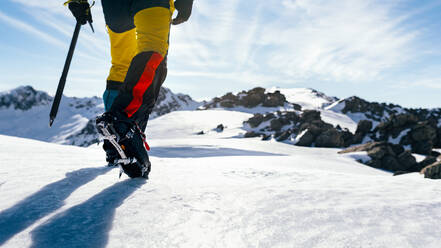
<point x="87" y="224"/>
<point x="47" y="200"/>
<point x="204" y="151"/>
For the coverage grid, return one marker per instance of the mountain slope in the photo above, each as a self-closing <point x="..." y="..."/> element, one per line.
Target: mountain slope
<point x="24" y="113"/>
<point x="307" y="98"/>
<point x="209" y="190"/>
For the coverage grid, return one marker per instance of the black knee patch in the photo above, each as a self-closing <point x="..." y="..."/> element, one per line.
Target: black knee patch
<point x="119" y="13"/>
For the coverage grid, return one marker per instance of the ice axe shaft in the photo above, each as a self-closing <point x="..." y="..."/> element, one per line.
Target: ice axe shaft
<point x="62" y="83"/>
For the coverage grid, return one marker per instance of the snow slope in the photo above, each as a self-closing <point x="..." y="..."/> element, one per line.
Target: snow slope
<point x="209" y="190"/>
<point x="307" y="98"/>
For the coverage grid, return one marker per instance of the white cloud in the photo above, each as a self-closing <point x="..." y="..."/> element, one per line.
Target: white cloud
<point x="301" y="40"/>
<point x="433" y="83"/>
<point x="30" y="29"/>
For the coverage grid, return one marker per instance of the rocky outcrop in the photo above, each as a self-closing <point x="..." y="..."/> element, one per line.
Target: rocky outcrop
<point x="168" y="101"/>
<point x="429" y="160"/>
<point x="403" y="129"/>
<point x="86" y="137"/>
<point x="305" y="129"/>
<point x="372" y="110"/>
<point x="417" y="129"/>
<point x="363" y="128"/>
<point x="248" y="99"/>
<point x="387" y="156"/>
<point x="432" y="171"/>
<point x="220" y="128"/>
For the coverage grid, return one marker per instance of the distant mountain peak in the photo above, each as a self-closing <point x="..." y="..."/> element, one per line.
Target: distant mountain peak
<point x="308" y="98"/>
<point x="23" y="98"/>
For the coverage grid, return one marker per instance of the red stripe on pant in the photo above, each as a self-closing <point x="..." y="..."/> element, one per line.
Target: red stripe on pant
<point x="144" y="83"/>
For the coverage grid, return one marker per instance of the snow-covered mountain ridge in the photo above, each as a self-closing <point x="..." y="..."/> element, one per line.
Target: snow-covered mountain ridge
<point x="306" y="117"/>
<point x="24" y="113"/>
<point x="299" y="116"/>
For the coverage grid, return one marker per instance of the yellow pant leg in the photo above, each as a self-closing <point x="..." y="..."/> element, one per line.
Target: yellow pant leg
<point x="123" y="48"/>
<point x="152" y="29"/>
<point x="172" y="6"/>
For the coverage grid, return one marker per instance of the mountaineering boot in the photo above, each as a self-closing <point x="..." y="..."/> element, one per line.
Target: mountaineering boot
<point x="112" y="155"/>
<point x="128" y="140"/>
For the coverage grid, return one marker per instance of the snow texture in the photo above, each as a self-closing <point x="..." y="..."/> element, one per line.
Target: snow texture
<point x="211" y="190"/>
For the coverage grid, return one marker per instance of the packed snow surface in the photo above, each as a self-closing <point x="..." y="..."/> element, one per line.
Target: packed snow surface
<point x="211" y="190"/>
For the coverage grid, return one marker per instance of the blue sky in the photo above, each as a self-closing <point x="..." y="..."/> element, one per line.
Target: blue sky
<point x="380" y="50"/>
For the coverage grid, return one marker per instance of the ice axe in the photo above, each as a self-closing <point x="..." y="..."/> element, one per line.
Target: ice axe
<point x="62" y="83"/>
<point x="78" y="6"/>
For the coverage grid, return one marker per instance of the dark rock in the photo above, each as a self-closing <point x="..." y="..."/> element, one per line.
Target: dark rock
<point x="427" y="161"/>
<point x="276" y="125"/>
<point x="266" y="137"/>
<point x="230" y="96"/>
<point x="377" y="152"/>
<point x="329" y="138"/>
<point x="251" y="134"/>
<point x="423" y="132"/>
<point x="435" y="153"/>
<point x="269" y="116"/>
<point x="398" y="173"/>
<point x="200" y="133"/>
<point x="227" y="104"/>
<point x="403" y="120"/>
<point x="390" y="163"/>
<point x="277" y="134"/>
<point x="297" y="107"/>
<point x="406" y="140"/>
<point x="358" y="138"/>
<point x="364" y="126"/>
<point x="408" y="162"/>
<point x="220" y="128"/>
<point x="387" y="156"/>
<point x="397" y="149"/>
<point x="432" y="171"/>
<point x="255" y="120"/>
<point x="438" y="140"/>
<point x="307" y="139"/>
<point x="313" y="129"/>
<point x="284" y="136"/>
<point x="348" y="138"/>
<point x="372" y="110"/>
<point x="274" y="99"/>
<point x="253" y="98"/>
<point x="292" y="116"/>
<point x="375" y="163"/>
<point x="422" y="147"/>
<point x="316" y="126"/>
<point x="383" y="125"/>
<point x="310" y="115"/>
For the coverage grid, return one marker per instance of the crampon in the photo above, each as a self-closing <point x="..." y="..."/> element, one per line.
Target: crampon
<point x="129" y="141"/>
